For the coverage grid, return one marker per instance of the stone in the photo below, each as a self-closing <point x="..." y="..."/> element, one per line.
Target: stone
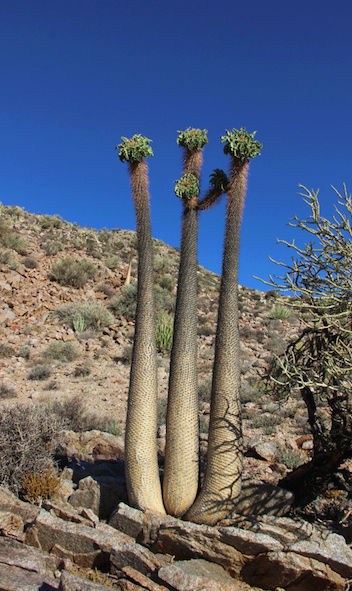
<point x="14" y="578"/>
<point x="9" y="502"/>
<point x="330" y="549"/>
<point x="293" y="572"/>
<point x="11" y="525"/>
<point x="197" y="575"/>
<point x="71" y="582"/>
<point x="142" y="580"/>
<point x="266" y="450"/>
<point x="186" y="540"/>
<point x="87" y="495"/>
<point x="87" y="546"/>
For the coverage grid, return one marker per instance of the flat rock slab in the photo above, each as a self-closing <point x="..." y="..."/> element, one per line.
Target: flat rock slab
<point x="14" y="578"/>
<point x="199" y="575"/>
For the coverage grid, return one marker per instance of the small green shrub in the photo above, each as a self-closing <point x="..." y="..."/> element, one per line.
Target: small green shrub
<point x="39" y="372"/>
<point x="112" y="262"/>
<point x="290" y="458"/>
<point x="6" y="351"/>
<point x="166" y="282"/>
<point x="164" y="333"/>
<point x="52" y="247"/>
<point x="124" y="303"/>
<point x="30" y="262"/>
<point x="203" y="424"/>
<point x="15" y="212"/>
<point x="267" y="423"/>
<point x="72" y="412"/>
<point x="204" y="391"/>
<point x="73" y="273"/>
<point x="24" y="352"/>
<point x="11" y="239"/>
<point x="106" y="289"/>
<point x="61" y="351"/>
<point x="50" y="221"/>
<point x="91" y="314"/>
<point x="279" y="313"/>
<point x="82" y="371"/>
<point x="161" y="414"/>
<point x="8" y="258"/>
<point x="7" y="391"/>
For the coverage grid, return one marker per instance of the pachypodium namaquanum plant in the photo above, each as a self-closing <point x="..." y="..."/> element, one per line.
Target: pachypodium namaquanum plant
<point x="192" y="139"/>
<point x="222" y="482"/>
<point x="240" y="144"/>
<point x="187" y="187"/>
<point x="141" y="465"/>
<point x="134" y="150"/>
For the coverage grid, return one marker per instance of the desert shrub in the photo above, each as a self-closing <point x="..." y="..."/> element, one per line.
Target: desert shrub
<point x="15" y="212"/>
<point x="162" y="263"/>
<point x="40" y="485"/>
<point x="30" y="262"/>
<point x="272" y="294"/>
<point x="6" y="350"/>
<point x="39" y="372"/>
<point x="61" y="351"/>
<point x="124" y="303"/>
<point x="7" y="391"/>
<point x="106" y="289"/>
<point x="204" y="391"/>
<point x="112" y="262"/>
<point x="290" y="457"/>
<point x="73" y="273"/>
<point x="248" y="393"/>
<point x="265" y="421"/>
<point x="279" y="312"/>
<point x="203" y="424"/>
<point x="24" y="351"/>
<point x="164" y="300"/>
<point x="52" y="247"/>
<point x="126" y="355"/>
<point x="50" y="221"/>
<point x="82" y="371"/>
<point x="84" y="315"/>
<point x="8" y="258"/>
<point x="11" y="239"/>
<point x="164" y="333"/>
<point x="73" y="414"/>
<point x="161" y="413"/>
<point x="166" y="282"/>
<point x="28" y="435"/>
<point x="93" y="247"/>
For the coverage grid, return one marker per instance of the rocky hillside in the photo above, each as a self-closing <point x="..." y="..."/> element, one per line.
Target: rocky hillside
<point x="66" y="328"/>
<point x="66" y="322"/>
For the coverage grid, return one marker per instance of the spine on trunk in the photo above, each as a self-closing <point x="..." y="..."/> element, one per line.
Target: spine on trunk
<point x="222" y="483"/>
<point x="141" y="465"/>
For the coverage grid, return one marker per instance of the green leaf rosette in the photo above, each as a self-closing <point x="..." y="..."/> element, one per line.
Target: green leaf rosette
<point x="187" y="187"/>
<point x="135" y="149"/>
<point x="241" y="144"/>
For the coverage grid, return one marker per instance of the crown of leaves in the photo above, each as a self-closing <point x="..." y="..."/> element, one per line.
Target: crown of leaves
<point x="192" y="139"/>
<point x="218" y="179"/>
<point x="135" y="149"/>
<point x="187" y="186"/>
<point x="241" y="144"/>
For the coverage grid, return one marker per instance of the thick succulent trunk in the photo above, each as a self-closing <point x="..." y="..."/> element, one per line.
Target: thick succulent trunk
<point x="182" y="446"/>
<point x="142" y="474"/>
<point x="222" y="483"/>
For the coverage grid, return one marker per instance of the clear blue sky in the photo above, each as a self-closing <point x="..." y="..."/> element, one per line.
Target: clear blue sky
<point x="78" y="74"/>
